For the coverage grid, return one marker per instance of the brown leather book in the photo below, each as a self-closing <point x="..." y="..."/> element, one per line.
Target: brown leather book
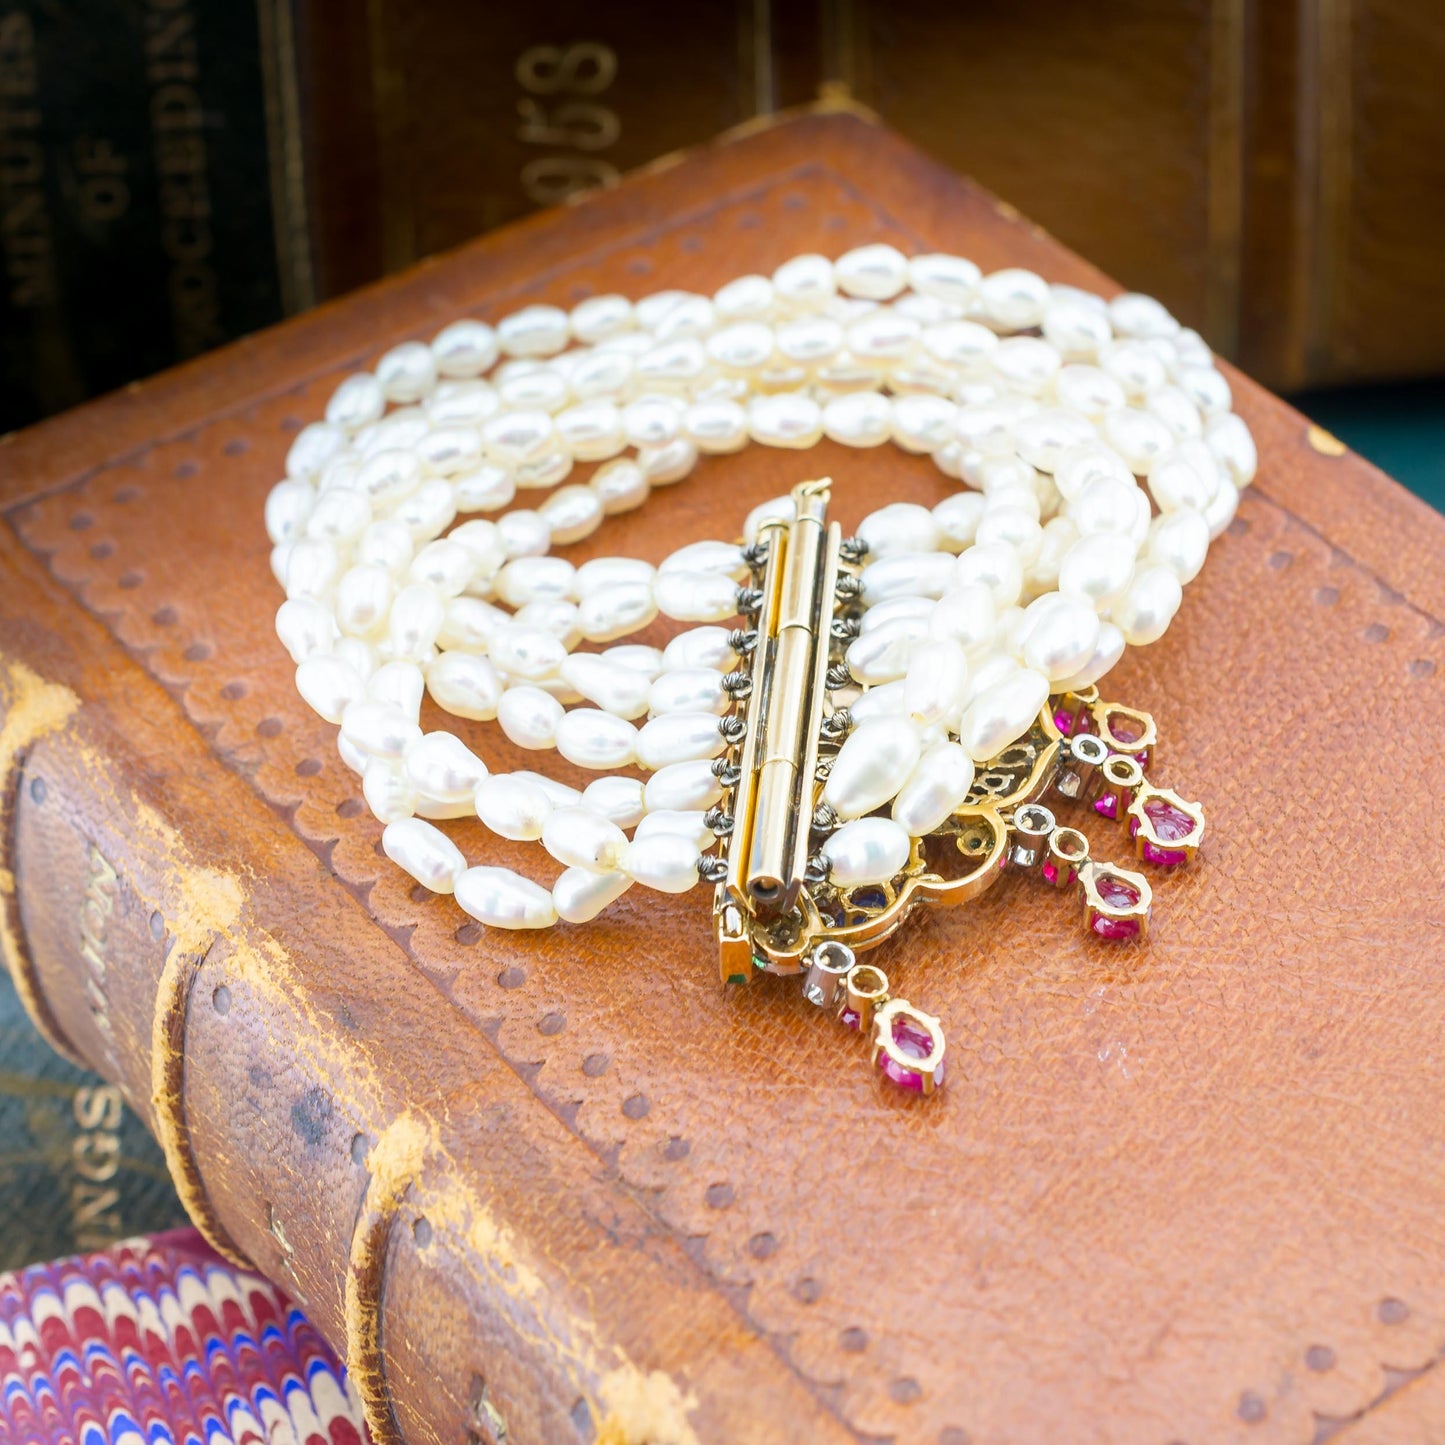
<point x="567" y="1187"/>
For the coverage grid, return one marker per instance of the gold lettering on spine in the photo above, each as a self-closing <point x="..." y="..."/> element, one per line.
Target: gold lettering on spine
<point x="95" y="1158"/>
<point x="182" y="164"/>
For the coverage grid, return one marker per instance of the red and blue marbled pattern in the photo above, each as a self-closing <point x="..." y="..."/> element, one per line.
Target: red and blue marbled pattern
<point x="157" y="1341"/>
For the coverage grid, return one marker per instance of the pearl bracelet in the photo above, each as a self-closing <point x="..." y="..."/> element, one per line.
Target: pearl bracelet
<point x="964" y="620"/>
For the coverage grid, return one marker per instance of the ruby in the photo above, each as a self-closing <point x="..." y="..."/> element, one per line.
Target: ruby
<point x="851" y="1018"/>
<point x="1115" y="892"/>
<point x="1051" y="873"/>
<point x="1064" y="721"/>
<point x="1171" y="823"/>
<point x="1106" y="805"/>
<point x="914" y="1041"/>
<point x="1115" y="928"/>
<point x="1163" y="857"/>
<point x="1125" y="728"/>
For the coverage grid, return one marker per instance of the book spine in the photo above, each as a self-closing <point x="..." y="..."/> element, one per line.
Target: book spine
<point x="325" y="1114"/>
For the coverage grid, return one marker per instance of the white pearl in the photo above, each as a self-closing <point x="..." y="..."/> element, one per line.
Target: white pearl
<point x="867" y="850"/>
<point x="935" y="790"/>
<point x="1175" y="408"/>
<point x="620" y="690"/>
<point x="288" y="505"/>
<point x="552" y="615"/>
<point x="1220" y="512"/>
<point x="1098" y="567"/>
<point x="609" y="571"/>
<point x="1206" y="388"/>
<point x="533" y="331"/>
<point x="1076" y="329"/>
<point x="529" y="717"/>
<point x="465" y="685"/>
<point x="965" y="615"/>
<point x="637" y="656"/>
<point x="716" y="427"/>
<point x="356" y="402"/>
<point x="787" y="419"/>
<point x="882" y="613"/>
<point x="527" y="653"/>
<point x="386" y="791"/>
<point x="311" y="568"/>
<point x="963" y="345"/>
<point x="1137" y="369"/>
<point x="357" y="655"/>
<point x="526" y="579"/>
<point x="1025" y="364"/>
<point x="1137" y="436"/>
<point x="670" y="463"/>
<point x="450" y="450"/>
<point x="501" y="898"/>
<point x="598" y="740"/>
<point x="465" y="348"/>
<point x="512" y="806"/>
<point x="1107" y="651"/>
<point x="958" y="517"/>
<point x="600" y="375"/>
<point x="689" y="786"/>
<point x="306" y="628"/>
<point x="401" y="684"/>
<point x="579" y="838"/>
<point x="936" y="680"/>
<point x="441" y="766"/>
<point x="591" y="431"/>
<point x="428" y="511"/>
<point x="328" y="685"/>
<point x="692" y="689"/>
<point x="806" y="283"/>
<point x="1184" y="477"/>
<point x="1229" y="439"/>
<point x="1013" y="298"/>
<point x="514" y="437"/>
<point x="424" y="852"/>
<point x="744" y="297"/>
<point x="379" y="729"/>
<point x="951" y="279"/>
<point x="485" y="489"/>
<point x="1044" y="437"/>
<point x="810" y="340"/>
<point x="1106" y="505"/>
<point x="775" y="509"/>
<point x="908" y="574"/>
<point x="884" y="699"/>
<point x="876" y="272"/>
<point x="1089" y="462"/>
<point x="873" y="763"/>
<point x="618" y="799"/>
<point x="444" y="566"/>
<point x="678" y="737"/>
<point x="883" y="335"/>
<point x="723" y="557"/>
<point x="858" y="419"/>
<point x="1148" y="607"/>
<point x="616" y="609"/>
<point x="666" y="862"/>
<point x="652" y="421"/>
<point x="1060" y="637"/>
<point x="1043" y="572"/>
<point x="682" y="824"/>
<point x="899" y="527"/>
<point x="1014" y="527"/>
<point x="1002" y="714"/>
<point x="741" y="347"/>
<point x="1179" y="540"/>
<point x="572" y="513"/>
<point x="314" y="446"/>
<point x="700" y="647"/>
<point x="997" y="567"/>
<point x="579" y="895"/>
<point x="598" y="317"/>
<point x="695" y="596"/>
<point x="560" y="794"/>
<point x="884" y="652"/>
<point x="621" y="485"/>
<point x="470" y="623"/>
<point x="1133" y="314"/>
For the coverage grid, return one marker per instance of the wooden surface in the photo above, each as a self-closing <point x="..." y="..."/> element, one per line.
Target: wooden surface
<point x="1188" y="1191"/>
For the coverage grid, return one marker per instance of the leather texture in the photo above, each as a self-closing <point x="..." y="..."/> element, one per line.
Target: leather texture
<point x="1182" y="1191"/>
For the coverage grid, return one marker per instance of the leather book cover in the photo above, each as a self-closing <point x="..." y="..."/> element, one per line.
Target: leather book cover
<point x="565" y="1187"/>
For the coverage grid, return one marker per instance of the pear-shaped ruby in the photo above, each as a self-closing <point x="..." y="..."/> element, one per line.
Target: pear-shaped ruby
<point x="1115" y="893"/>
<point x="915" y="1042"/>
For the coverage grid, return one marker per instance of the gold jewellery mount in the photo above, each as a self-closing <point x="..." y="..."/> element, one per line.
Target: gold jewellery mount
<point x="776" y="909"/>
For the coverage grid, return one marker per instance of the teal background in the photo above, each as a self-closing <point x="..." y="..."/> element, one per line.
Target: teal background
<point x="1399" y="428"/>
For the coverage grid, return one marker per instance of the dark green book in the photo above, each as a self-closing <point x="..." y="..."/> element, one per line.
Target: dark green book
<point x="78" y="1170"/>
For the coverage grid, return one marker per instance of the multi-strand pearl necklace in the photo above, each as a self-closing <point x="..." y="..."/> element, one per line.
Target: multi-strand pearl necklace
<point x="1046" y="402"/>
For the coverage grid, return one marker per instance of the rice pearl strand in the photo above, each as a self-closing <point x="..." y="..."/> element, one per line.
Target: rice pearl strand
<point x="413" y="536"/>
